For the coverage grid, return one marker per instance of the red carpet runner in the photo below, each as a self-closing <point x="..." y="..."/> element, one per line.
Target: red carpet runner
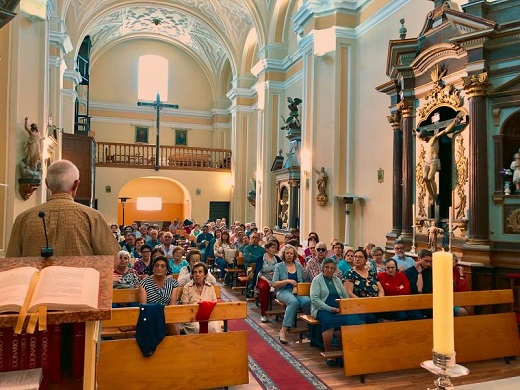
<point x="272" y="370"/>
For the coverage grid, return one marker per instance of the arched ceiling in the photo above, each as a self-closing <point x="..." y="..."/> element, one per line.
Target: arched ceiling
<point x="213" y="30"/>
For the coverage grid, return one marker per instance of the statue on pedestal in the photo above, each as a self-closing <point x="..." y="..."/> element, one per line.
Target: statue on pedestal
<point x="31" y="164"/>
<point x="322" y="181"/>
<point x="433" y="231"/>
<point x="515" y="167"/>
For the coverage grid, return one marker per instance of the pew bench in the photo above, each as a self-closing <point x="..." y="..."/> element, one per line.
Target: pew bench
<point x="131" y="295"/>
<point x="181" y="362"/>
<point x="477" y="337"/>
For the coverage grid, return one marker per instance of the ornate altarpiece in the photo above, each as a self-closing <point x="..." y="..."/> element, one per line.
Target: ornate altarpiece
<point x="461" y="62"/>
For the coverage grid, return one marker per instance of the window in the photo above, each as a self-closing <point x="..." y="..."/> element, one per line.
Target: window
<point x="149" y="203"/>
<point x="152" y="78"/>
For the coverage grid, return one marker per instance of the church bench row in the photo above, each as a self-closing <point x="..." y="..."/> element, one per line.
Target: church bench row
<point x="181" y="362"/>
<point x="408" y="343"/>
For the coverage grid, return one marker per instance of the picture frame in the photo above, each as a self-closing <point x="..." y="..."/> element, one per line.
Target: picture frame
<point x="141" y="134"/>
<point x="181" y="137"/>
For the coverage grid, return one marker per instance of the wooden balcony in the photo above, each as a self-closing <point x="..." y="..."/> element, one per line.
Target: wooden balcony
<point x="110" y="154"/>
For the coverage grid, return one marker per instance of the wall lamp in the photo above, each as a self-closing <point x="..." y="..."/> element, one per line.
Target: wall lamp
<point x="348" y="201"/>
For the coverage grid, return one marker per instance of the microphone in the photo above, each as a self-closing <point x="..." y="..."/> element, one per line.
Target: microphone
<point x="46" y="252"/>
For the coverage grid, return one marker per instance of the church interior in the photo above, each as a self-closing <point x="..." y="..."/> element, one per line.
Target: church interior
<point x="363" y="120"/>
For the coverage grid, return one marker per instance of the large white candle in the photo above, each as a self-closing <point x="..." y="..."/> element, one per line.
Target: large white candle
<point x="443" y="342"/>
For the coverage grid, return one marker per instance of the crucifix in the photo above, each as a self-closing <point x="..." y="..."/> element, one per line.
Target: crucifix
<point x="157" y="105"/>
<point x="431" y="135"/>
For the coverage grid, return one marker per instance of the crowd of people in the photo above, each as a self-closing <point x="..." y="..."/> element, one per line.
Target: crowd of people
<point x="274" y="269"/>
<point x="148" y="255"/>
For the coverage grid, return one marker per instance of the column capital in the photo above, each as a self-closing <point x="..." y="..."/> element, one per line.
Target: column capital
<point x="294" y="183"/>
<point x="476" y="84"/>
<point x="406" y="108"/>
<point x="395" y="120"/>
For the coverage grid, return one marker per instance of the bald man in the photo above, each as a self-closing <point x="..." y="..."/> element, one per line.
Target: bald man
<point x="73" y="229"/>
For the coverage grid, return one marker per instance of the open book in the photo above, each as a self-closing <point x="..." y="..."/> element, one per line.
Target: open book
<point x="57" y="287"/>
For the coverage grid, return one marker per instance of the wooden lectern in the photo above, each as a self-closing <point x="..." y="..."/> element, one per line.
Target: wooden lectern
<point x="91" y="318"/>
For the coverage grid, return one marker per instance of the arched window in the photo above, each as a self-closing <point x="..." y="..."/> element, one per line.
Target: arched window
<point x="152" y="77"/>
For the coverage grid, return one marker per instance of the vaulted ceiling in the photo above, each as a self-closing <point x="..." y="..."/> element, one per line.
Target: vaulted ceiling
<point x="215" y="31"/>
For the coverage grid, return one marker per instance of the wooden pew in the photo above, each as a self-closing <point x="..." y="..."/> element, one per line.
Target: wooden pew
<point x="408" y="343"/>
<point x="131" y="295"/>
<point x="180" y="362"/>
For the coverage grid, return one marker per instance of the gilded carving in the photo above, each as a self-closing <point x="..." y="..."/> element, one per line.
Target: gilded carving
<point x="476" y="84"/>
<point x="421" y="185"/>
<point x="513" y="221"/>
<point x="395" y="120"/>
<point x="405" y="108"/>
<point x="440" y="94"/>
<point x="462" y="178"/>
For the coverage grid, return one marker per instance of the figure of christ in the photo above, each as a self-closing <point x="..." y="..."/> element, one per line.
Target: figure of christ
<point x="33" y="146"/>
<point x="433" y="162"/>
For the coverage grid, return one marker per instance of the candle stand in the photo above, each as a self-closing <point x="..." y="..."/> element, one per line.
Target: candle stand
<point x="445" y="367"/>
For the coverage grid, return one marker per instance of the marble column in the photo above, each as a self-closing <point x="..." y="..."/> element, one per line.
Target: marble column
<point x="478" y="225"/>
<point x="407" y="168"/>
<point x="397" y="189"/>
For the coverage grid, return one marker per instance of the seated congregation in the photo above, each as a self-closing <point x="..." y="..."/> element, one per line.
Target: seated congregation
<point x="176" y="267"/>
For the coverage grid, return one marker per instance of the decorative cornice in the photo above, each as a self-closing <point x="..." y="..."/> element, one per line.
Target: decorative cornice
<point x="395" y="120"/>
<point x="72" y="75"/>
<point x="70" y="93"/>
<point x="238" y="109"/>
<point x="55" y="61"/>
<point x="136" y="109"/>
<point x="58" y="35"/>
<point x="236" y="93"/>
<point x="150" y="123"/>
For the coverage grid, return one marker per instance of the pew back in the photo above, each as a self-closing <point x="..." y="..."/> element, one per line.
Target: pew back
<point x="408" y="343"/>
<point x="180" y="362"/>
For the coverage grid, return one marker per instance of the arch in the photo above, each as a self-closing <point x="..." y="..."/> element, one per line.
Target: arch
<point x="511" y="126"/>
<point x="250" y="51"/>
<point x="281" y="20"/>
<point x="176" y="199"/>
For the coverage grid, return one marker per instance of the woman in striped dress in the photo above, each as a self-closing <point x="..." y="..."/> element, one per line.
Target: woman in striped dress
<point x="159" y="287"/>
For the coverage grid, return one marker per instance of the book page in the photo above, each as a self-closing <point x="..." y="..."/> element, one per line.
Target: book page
<point x="66" y="288"/>
<point x="13" y="288"/>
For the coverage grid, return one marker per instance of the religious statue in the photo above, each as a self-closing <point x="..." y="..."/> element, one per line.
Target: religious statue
<point x="433" y="162"/>
<point x="433" y="231"/>
<point x="322" y="180"/>
<point x="284" y="213"/>
<point x="33" y="146"/>
<point x="515" y="167"/>
<point x="293" y="120"/>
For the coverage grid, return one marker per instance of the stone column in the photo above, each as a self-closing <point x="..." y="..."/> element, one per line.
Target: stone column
<point x="397" y="175"/>
<point x="406" y="108"/>
<point x="478" y="224"/>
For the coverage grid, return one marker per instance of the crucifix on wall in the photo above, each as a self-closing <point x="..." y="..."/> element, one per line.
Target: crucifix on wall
<point x="157" y="105"/>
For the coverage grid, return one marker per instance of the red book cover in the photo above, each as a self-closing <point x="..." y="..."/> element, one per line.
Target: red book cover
<point x="78" y="349"/>
<point x="44" y="344"/>
<point x="24" y="351"/>
<point x="6" y="336"/>
<point x="15" y="353"/>
<point x="55" y="357"/>
<point x="34" y="360"/>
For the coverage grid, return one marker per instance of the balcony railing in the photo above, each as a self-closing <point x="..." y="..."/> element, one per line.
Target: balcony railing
<point x="110" y="154"/>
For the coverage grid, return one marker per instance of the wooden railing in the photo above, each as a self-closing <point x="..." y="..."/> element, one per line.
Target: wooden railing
<point x="110" y="154"/>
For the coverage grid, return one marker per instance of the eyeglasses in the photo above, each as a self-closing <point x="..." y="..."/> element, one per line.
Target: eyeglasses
<point x="321" y="249"/>
<point x="143" y="252"/>
<point x="399" y="248"/>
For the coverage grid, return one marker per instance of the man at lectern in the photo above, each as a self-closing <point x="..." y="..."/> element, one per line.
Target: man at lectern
<point x="72" y="229"/>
